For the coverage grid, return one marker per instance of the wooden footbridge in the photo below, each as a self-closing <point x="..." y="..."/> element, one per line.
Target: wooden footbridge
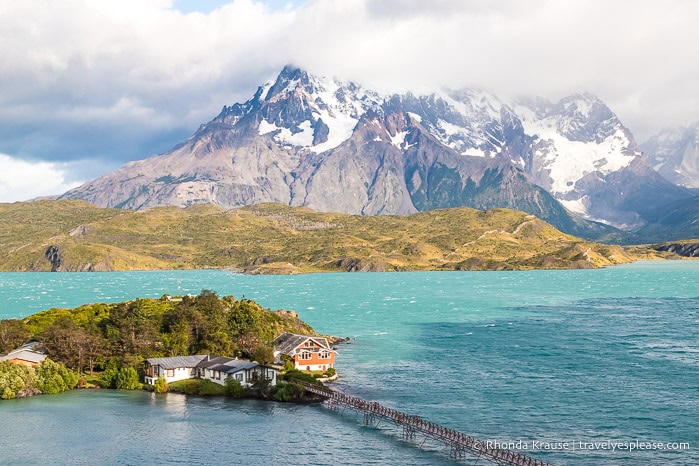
<point x="460" y="445"/>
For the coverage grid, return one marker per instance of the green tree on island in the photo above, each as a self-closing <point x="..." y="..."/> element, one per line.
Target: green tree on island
<point x="49" y="377"/>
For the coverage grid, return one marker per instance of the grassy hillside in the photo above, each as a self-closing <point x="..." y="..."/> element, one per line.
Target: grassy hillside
<point x="271" y="238"/>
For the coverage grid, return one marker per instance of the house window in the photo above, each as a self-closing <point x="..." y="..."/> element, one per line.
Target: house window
<point x="305" y="355"/>
<point x="171" y="372"/>
<point x="308" y="344"/>
<point x="325" y="354"/>
<point x="239" y="377"/>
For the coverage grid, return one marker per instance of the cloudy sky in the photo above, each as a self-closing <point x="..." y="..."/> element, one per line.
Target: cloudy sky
<point x="86" y="86"/>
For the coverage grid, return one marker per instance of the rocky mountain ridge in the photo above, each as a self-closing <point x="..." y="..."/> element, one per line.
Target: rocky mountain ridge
<point x="304" y="140"/>
<point x="674" y="153"/>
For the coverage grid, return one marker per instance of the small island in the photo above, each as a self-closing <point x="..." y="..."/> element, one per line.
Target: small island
<point x="198" y="345"/>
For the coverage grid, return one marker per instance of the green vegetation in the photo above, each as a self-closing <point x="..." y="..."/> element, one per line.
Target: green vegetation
<point x="127" y="379"/>
<point x="161" y="385"/>
<point x="49" y="377"/>
<point x="271" y="238"/>
<point x="12" y="334"/>
<point x="285" y="391"/>
<point x="234" y="389"/>
<point x="200" y="387"/>
<point x="288" y="387"/>
<point x="117" y="338"/>
<point x="295" y="375"/>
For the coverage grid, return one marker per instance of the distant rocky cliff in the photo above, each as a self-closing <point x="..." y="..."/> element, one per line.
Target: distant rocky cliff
<point x="674" y="153"/>
<point x="681" y="249"/>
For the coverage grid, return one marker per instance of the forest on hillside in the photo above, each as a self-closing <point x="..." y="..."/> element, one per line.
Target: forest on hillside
<point x="120" y="336"/>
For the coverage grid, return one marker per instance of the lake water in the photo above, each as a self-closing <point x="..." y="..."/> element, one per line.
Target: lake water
<point x="608" y="355"/>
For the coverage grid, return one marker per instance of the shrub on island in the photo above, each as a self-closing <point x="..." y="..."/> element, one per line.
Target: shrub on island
<point x="121" y="378"/>
<point x="234" y="389"/>
<point x="200" y="387"/>
<point x="52" y="377"/>
<point x="49" y="377"/>
<point x="160" y="385"/>
<point x="288" y="391"/>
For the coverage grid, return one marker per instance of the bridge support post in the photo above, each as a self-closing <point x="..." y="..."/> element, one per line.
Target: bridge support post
<point x="331" y="404"/>
<point x="409" y="432"/>
<point x="369" y="418"/>
<point x="457" y="451"/>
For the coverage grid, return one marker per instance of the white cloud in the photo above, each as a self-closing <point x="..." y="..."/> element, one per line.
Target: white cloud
<point x="21" y="180"/>
<point x="121" y="80"/>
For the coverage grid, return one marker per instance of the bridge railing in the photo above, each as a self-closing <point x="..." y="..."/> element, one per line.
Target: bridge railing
<point x="459" y="442"/>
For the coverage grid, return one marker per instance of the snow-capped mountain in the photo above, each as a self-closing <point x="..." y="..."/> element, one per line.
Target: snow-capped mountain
<point x="674" y="153"/>
<point x="333" y="145"/>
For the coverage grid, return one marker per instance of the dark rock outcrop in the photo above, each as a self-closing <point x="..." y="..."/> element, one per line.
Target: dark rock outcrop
<point x="359" y="265"/>
<point x="681" y="249"/>
<point x="53" y="254"/>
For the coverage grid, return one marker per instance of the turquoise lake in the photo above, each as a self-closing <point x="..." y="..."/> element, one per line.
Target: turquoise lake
<point x="609" y="355"/>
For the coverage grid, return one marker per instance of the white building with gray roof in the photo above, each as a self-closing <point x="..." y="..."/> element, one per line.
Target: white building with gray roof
<point x="214" y="368"/>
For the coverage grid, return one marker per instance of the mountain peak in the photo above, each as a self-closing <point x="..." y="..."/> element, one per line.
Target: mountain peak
<point x="674" y="153"/>
<point x="289" y="78"/>
<point x="290" y="71"/>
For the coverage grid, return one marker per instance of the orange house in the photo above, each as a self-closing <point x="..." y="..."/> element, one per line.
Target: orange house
<point x="25" y="356"/>
<point x="309" y="353"/>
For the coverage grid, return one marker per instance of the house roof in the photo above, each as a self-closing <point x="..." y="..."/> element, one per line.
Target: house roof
<point x="175" y="362"/>
<point x="32" y="345"/>
<point x="287" y="343"/>
<point x="24" y="355"/>
<point x="211" y="363"/>
<point x="239" y="365"/>
<point x="228" y="365"/>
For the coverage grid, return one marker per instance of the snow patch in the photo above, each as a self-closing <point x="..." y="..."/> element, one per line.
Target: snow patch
<point x="581" y="106"/>
<point x="266" y="127"/>
<point x="285" y="136"/>
<point x="449" y="128"/>
<point x="340" y="129"/>
<point x="576" y="205"/>
<point x="399" y="139"/>
<point x="265" y="89"/>
<point x="415" y="117"/>
<point x="568" y="161"/>
<point x="302" y="138"/>
<point x="474" y="152"/>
